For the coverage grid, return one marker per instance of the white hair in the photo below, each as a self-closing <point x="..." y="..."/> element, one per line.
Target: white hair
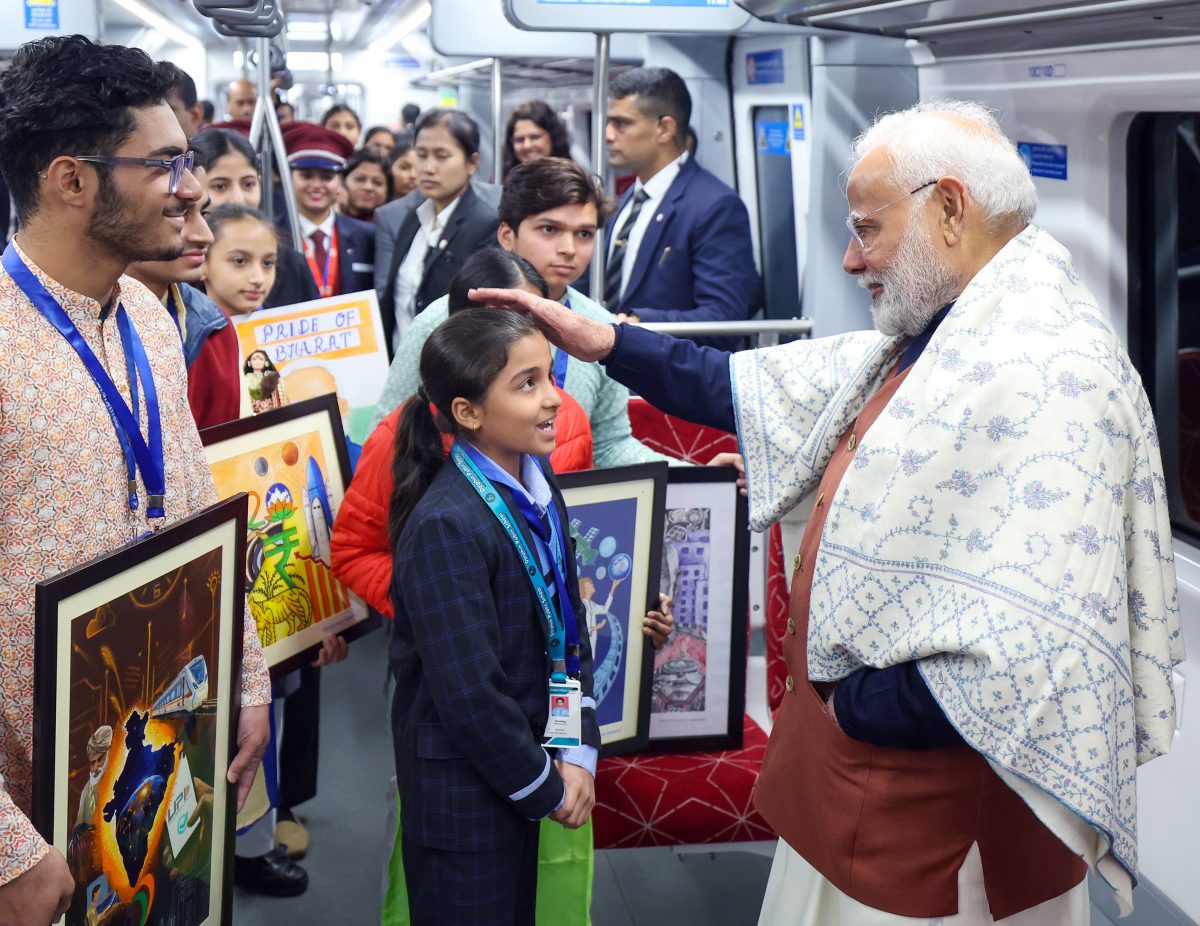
<point x="956" y="138"/>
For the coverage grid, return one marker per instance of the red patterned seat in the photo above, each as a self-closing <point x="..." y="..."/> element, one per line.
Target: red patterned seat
<point x="694" y="797"/>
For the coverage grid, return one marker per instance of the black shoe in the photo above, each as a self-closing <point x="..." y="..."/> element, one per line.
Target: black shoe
<point x="273" y="874"/>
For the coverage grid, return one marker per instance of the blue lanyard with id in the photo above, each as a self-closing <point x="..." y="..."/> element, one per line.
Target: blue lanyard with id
<point x="140" y="454"/>
<point x="562" y="630"/>
<point x="563" y="716"/>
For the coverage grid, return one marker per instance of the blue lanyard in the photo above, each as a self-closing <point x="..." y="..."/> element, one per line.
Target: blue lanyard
<point x="126" y="423"/>
<point x="563" y="631"/>
<point x="559" y="371"/>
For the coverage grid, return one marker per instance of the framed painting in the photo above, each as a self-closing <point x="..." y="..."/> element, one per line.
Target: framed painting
<point x="137" y="683"/>
<point x="699" y="680"/>
<point x="615" y="518"/>
<point x="293" y="464"/>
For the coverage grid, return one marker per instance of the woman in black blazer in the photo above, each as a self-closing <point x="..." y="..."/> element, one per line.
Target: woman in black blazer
<point x="452" y="223"/>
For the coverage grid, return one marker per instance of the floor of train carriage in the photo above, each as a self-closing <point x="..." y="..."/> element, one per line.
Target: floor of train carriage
<point x="349" y="844"/>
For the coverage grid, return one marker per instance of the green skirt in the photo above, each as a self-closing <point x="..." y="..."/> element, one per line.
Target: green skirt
<point x="564" y="889"/>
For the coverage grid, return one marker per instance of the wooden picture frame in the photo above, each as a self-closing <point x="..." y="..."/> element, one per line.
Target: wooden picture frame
<point x="699" y="679"/>
<point x="137" y="686"/>
<point x="615" y="517"/>
<point x="294" y="465"/>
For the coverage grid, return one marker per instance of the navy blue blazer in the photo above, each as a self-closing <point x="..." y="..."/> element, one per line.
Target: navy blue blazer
<point x="469" y="655"/>
<point x="472" y="227"/>
<point x="356" y="254"/>
<point x="695" y="262"/>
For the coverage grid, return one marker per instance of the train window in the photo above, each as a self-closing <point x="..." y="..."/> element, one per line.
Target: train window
<point x="1164" y="294"/>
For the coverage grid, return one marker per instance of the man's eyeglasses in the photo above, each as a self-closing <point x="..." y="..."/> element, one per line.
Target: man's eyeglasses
<point x="176" y="165"/>
<point x="853" y="222"/>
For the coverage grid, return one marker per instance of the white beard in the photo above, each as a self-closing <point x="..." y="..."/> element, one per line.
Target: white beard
<point x="94" y="777"/>
<point x="917" y="283"/>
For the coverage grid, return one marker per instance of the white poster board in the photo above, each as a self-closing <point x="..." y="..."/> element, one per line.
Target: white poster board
<point x="326" y="345"/>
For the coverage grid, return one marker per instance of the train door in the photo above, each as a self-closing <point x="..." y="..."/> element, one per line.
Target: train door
<point x="776" y="210"/>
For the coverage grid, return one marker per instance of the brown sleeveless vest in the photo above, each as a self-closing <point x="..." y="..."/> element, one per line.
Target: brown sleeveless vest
<point x="891" y="827"/>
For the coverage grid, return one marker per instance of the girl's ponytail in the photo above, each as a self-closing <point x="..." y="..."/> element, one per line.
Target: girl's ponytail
<point x="418" y="458"/>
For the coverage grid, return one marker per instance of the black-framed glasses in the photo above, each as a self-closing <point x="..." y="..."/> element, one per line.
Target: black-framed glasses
<point x="852" y="221"/>
<point x="176" y="165"/>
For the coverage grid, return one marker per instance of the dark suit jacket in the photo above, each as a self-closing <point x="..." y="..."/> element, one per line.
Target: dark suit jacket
<point x="695" y="262"/>
<point x="293" y="280"/>
<point x="356" y="254"/>
<point x="468" y="652"/>
<point x="389" y="218"/>
<point x="472" y="226"/>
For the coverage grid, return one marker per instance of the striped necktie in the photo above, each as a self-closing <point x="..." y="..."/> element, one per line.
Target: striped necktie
<point x="616" y="260"/>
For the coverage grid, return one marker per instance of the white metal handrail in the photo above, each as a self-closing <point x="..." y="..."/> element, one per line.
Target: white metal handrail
<point x="733" y="329"/>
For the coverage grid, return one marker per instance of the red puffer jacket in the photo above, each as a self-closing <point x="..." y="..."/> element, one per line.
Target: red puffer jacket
<point x="362" y="558"/>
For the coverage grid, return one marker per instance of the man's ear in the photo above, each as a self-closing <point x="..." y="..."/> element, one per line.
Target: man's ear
<point x="66" y="182"/>
<point x="668" y="130"/>
<point x="506" y="236"/>
<point x="951" y="196"/>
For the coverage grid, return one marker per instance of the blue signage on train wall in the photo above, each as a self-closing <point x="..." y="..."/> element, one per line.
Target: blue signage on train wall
<point x="41" y="14"/>
<point x="1049" y="161"/>
<point x="764" y="67"/>
<point x="772" y="138"/>
<point x="798" y="121"/>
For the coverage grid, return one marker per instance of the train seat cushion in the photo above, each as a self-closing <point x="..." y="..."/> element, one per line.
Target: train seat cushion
<point x="685" y="798"/>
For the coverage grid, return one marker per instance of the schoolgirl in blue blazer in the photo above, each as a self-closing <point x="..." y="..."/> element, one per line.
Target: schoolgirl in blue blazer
<point x="472" y="643"/>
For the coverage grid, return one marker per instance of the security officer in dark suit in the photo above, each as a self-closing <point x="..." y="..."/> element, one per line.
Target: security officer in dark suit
<point x="679" y="246"/>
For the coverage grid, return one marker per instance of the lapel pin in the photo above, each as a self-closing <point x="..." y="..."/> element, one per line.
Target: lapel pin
<point x="442" y="244"/>
<point x="658" y="218"/>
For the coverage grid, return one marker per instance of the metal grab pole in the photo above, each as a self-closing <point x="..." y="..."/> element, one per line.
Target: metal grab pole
<point x="262" y="114"/>
<point x="267" y="139"/>
<point x="497" y="128"/>
<point x="599" y="153"/>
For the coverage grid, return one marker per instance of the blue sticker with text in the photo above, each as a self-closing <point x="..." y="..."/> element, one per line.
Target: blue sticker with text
<point x="798" y="121"/>
<point x="772" y="138"/>
<point x="764" y="67"/>
<point x="41" y="14"/>
<point x="1049" y="161"/>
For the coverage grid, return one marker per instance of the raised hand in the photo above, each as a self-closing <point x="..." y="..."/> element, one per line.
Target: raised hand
<point x="580" y="337"/>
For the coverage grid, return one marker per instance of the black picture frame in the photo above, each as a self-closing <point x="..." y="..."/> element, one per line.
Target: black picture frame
<point x="715" y="489"/>
<point x="249" y="455"/>
<point x="90" y="674"/>
<point x="599" y="506"/>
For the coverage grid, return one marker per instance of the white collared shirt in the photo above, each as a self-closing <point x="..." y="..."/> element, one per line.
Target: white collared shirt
<point x="412" y="268"/>
<point x="656" y="188"/>
<point x="307" y="227"/>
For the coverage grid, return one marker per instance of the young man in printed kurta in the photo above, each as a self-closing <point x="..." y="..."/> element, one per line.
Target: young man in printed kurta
<point x="61" y="463"/>
<point x="983" y="611"/>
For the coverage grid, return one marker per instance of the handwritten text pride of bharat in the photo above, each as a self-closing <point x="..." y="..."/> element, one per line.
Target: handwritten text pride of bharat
<point x="310" y="336"/>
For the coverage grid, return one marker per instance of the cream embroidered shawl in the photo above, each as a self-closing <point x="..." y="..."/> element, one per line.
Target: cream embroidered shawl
<point x="1004" y="522"/>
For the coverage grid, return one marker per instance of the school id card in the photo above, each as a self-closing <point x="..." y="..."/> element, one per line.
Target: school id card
<point x="563" y="724"/>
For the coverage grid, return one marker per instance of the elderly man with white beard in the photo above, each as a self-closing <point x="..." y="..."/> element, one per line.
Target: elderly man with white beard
<point x="983" y="607"/>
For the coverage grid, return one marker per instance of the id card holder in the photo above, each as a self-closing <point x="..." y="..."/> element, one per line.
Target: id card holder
<point x="563" y="723"/>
